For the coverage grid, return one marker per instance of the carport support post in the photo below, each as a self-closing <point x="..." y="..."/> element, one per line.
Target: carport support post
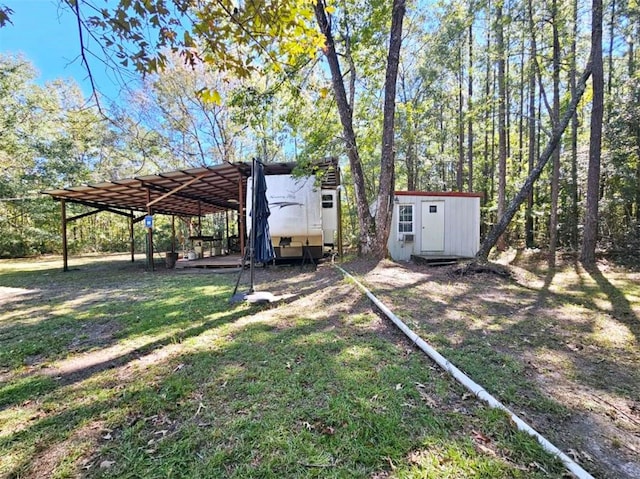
<point x="226" y="218"/>
<point x="173" y="233"/>
<point x="339" y="207"/>
<point x="150" y="264"/>
<point x="132" y="246"/>
<point x="65" y="252"/>
<point x="241" y="216"/>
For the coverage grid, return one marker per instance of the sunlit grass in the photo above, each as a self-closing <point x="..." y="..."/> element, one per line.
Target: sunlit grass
<point x="157" y="375"/>
<point x="546" y="343"/>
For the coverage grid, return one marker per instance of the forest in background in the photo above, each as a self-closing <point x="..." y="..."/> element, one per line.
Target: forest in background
<point x="480" y="87"/>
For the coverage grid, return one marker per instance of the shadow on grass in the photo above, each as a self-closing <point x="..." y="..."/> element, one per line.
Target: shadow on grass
<point x="621" y="308"/>
<point x="528" y="324"/>
<point x="82" y="320"/>
<point x="99" y="306"/>
<point x="491" y="333"/>
<point x="35" y="385"/>
<point x="315" y="396"/>
<point x="171" y="316"/>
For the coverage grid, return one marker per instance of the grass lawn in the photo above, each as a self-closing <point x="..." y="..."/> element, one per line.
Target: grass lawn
<point x="560" y="348"/>
<point x="111" y="371"/>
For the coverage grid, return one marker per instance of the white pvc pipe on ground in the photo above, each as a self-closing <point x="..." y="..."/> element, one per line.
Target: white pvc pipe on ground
<point x="471" y="385"/>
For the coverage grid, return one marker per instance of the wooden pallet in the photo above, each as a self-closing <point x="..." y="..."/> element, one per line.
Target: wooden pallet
<point x="230" y="261"/>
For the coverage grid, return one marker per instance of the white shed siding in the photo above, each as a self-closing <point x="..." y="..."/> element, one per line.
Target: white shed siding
<point x="461" y="226"/>
<point x="398" y="249"/>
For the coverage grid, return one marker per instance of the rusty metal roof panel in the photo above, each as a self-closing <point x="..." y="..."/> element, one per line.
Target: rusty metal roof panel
<point x="188" y="192"/>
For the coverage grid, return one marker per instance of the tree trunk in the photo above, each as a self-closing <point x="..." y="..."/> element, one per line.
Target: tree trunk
<point x="443" y="140"/>
<point x="555" y="176"/>
<point x="365" y="221"/>
<point x="487" y="173"/>
<point x="612" y="25"/>
<point x="521" y="96"/>
<point x="529" y="237"/>
<point x="502" y="133"/>
<point x="470" y="112"/>
<point x="413" y="173"/>
<point x="411" y="126"/>
<point x="632" y="71"/>
<point x="573" y="219"/>
<point x="460" y="168"/>
<point x="387" y="174"/>
<point x="534" y="174"/>
<point x="590" y="236"/>
<point x="411" y="153"/>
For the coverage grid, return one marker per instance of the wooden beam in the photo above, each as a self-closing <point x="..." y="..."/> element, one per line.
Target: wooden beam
<point x="132" y="245"/>
<point x="176" y="189"/>
<point x="139" y="218"/>
<point x="220" y="204"/>
<point x="225" y="245"/>
<point x="91" y="204"/>
<point x="65" y="251"/>
<point x="150" y="264"/>
<point x="241" y="217"/>
<point x="173" y="233"/>
<point x="83" y="215"/>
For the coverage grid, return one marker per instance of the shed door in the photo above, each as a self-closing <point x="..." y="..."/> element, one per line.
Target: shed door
<point x="432" y="226"/>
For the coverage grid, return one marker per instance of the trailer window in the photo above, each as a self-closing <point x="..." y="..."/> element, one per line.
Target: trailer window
<point x="405" y="219"/>
<point x="327" y="201"/>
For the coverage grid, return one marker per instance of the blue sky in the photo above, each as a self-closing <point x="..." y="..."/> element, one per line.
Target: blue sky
<point x="47" y="35"/>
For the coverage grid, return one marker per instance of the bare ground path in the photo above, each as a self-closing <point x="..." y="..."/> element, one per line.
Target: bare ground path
<point x="561" y="349"/>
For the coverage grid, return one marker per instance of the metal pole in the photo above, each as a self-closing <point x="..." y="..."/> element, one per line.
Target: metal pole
<point x="252" y="245"/>
<point x="65" y="252"/>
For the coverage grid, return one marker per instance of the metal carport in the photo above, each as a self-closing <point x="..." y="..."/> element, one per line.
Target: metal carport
<point x="186" y="192"/>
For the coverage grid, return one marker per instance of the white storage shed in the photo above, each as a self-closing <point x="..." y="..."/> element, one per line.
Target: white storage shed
<point x="434" y="224"/>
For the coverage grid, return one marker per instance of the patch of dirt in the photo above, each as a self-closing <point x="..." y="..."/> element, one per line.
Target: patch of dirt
<point x="94" y="335"/>
<point x="474" y="267"/>
<point x="558" y="326"/>
<point x="84" y="439"/>
<point x="10" y="295"/>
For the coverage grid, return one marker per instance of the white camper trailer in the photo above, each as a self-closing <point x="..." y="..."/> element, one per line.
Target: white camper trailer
<point x="304" y="216"/>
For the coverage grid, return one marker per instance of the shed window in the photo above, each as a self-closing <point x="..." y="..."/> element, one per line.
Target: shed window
<point x="405" y="219"/>
<point x="327" y="201"/>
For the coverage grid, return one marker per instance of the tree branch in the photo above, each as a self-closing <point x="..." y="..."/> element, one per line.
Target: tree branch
<point x="75" y="6"/>
<point x="534" y="174"/>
